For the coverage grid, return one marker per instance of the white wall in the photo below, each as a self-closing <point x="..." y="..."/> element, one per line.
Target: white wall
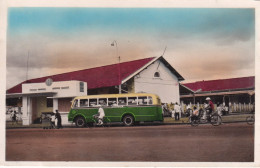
<point x="63" y="88"/>
<point x="64" y="119"/>
<point x="166" y="87"/>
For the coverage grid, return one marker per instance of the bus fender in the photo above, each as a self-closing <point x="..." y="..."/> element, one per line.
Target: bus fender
<point x="124" y="114"/>
<point x="79" y="115"/>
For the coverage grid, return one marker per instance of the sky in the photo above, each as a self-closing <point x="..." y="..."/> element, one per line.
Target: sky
<point x="202" y="44"/>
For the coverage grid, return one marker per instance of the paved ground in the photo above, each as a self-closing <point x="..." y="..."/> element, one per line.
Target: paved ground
<point x="174" y="143"/>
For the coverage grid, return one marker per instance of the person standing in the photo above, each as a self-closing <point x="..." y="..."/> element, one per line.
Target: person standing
<point x="53" y="120"/>
<point x="177" y="110"/>
<point x="58" y="117"/>
<point x="171" y="108"/>
<point x="13" y="116"/>
<point x="219" y="109"/>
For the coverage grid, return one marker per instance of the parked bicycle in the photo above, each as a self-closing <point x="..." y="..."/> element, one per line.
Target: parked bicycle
<point x="204" y="117"/>
<point x="250" y="119"/>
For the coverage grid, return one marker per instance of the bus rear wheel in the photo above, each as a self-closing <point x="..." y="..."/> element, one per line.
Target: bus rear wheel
<point x="128" y="120"/>
<point x="80" y="122"/>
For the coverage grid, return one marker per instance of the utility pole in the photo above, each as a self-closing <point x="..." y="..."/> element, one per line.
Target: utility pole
<point x="119" y="68"/>
<point x="119" y="75"/>
<point x="27" y="66"/>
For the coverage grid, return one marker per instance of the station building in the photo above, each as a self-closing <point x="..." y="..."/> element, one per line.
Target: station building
<point x="49" y="93"/>
<point x="237" y="94"/>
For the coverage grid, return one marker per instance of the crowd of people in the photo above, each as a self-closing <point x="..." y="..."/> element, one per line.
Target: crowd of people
<point x="176" y="111"/>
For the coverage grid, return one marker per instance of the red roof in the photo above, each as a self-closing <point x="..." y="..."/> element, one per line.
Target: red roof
<point x="223" y="84"/>
<point x="104" y="76"/>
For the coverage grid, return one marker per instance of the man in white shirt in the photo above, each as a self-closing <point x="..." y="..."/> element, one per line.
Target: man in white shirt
<point x="177" y="110"/>
<point x="101" y="115"/>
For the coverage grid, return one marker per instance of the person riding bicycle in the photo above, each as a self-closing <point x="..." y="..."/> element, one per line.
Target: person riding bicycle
<point x="101" y="115"/>
<point x="210" y="105"/>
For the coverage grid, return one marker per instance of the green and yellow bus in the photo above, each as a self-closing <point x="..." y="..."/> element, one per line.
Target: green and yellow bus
<point x="127" y="108"/>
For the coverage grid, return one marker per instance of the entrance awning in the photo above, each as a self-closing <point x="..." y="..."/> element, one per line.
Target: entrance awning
<point x="39" y="94"/>
<point x="250" y="92"/>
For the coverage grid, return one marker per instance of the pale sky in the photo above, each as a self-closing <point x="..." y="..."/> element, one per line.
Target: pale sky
<point x="202" y="44"/>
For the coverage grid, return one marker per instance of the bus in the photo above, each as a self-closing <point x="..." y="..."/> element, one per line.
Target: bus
<point x="125" y="108"/>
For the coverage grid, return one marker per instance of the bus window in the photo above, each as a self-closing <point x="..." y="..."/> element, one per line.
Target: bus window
<point x="122" y="101"/>
<point x="102" y="101"/>
<point x="132" y="100"/>
<point x="142" y="100"/>
<point x="83" y="102"/>
<point x="75" y="103"/>
<point x="92" y="102"/>
<point x="112" y="101"/>
<point x="150" y="100"/>
<point x="159" y="101"/>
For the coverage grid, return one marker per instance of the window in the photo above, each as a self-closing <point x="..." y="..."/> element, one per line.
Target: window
<point x="150" y="100"/>
<point x="156" y="75"/>
<point x="84" y="103"/>
<point x="102" y="101"/>
<point x="122" y="101"/>
<point x="49" y="103"/>
<point x="112" y="101"/>
<point x="92" y="102"/>
<point x="142" y="100"/>
<point x="81" y="86"/>
<point x="132" y="100"/>
<point x="75" y="103"/>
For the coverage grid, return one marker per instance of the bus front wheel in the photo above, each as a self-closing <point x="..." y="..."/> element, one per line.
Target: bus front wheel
<point x="128" y="120"/>
<point x="80" y="122"/>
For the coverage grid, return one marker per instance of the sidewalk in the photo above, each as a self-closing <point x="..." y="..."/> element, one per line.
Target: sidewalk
<point x="167" y="121"/>
<point x="10" y="125"/>
<point x="225" y="119"/>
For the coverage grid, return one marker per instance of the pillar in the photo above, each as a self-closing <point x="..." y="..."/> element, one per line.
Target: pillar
<point x="55" y="104"/>
<point x="27" y="111"/>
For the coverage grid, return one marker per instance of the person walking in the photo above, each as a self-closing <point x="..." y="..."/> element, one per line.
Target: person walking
<point x="177" y="110"/>
<point x="58" y="117"/>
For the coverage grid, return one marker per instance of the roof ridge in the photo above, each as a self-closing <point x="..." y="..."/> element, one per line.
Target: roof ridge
<point x="91" y="68"/>
<point x="138" y="61"/>
<point x="219" y="79"/>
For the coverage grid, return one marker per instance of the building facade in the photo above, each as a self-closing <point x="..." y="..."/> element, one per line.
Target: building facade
<point x="46" y="94"/>
<point x="237" y="94"/>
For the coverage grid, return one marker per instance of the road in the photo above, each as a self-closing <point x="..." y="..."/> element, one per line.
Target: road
<point x="171" y="143"/>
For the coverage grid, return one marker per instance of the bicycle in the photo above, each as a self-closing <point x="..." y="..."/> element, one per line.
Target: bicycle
<point x="203" y="117"/>
<point x="106" y="121"/>
<point x="250" y="119"/>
